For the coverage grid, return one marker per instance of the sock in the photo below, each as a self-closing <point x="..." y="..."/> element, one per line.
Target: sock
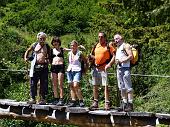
<point x="124" y="100"/>
<point x="130" y="101"/>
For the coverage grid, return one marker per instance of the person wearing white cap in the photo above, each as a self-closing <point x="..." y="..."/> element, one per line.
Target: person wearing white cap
<point x="40" y="51"/>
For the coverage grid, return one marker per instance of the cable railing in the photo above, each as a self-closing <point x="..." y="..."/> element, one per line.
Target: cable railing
<point x="141" y="75"/>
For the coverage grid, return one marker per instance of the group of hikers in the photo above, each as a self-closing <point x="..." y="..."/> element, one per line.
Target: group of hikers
<point x="103" y="55"/>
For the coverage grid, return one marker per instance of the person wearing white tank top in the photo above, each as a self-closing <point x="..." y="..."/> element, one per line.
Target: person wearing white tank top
<point x="74" y="74"/>
<point x="122" y="60"/>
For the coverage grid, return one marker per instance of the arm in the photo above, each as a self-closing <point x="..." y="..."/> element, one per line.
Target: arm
<point x="66" y="49"/>
<point x="84" y="59"/>
<point x="27" y="52"/>
<point x="80" y="46"/>
<point x="86" y="64"/>
<point x="112" y="61"/>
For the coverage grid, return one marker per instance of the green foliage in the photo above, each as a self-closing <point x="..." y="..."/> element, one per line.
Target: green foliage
<point x="54" y="18"/>
<point x="153" y="100"/>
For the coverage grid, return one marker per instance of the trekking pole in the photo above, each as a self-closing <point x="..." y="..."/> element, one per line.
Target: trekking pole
<point x="106" y="92"/>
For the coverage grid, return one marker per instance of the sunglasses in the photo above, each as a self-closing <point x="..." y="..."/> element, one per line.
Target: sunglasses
<point x="42" y="38"/>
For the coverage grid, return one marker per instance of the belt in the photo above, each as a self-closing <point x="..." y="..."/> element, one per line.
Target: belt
<point x="41" y="65"/>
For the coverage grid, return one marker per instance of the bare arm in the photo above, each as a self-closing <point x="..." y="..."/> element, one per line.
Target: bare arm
<point x="80" y="46"/>
<point x="27" y="52"/>
<point x="84" y="59"/>
<point x="66" y="49"/>
<point x="112" y="61"/>
<point x="86" y="64"/>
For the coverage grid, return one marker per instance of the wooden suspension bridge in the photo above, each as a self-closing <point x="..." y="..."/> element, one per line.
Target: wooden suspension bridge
<point x="83" y="117"/>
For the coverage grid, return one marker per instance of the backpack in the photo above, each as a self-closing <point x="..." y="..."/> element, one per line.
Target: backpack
<point x="136" y="54"/>
<point x="33" y="53"/>
<point x="107" y="61"/>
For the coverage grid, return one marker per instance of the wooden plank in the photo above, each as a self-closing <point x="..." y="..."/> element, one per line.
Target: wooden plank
<point x="160" y="115"/>
<point x="77" y="109"/>
<point x="82" y="117"/>
<point x="42" y="107"/>
<point x="141" y="114"/>
<point x="100" y="112"/>
<point x="60" y="108"/>
<point x="7" y="100"/>
<point x="163" y="118"/>
<point x="116" y="113"/>
<point x="14" y="103"/>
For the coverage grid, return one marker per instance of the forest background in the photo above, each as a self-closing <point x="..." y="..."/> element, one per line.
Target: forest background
<point x="142" y="22"/>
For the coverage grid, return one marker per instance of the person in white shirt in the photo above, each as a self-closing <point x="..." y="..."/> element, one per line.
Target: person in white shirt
<point x="122" y="59"/>
<point x="74" y="74"/>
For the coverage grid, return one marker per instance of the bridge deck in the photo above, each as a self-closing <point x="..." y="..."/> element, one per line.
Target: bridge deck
<point x="82" y="117"/>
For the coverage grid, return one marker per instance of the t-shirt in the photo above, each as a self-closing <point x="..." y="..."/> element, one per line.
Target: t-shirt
<point x="102" y="55"/>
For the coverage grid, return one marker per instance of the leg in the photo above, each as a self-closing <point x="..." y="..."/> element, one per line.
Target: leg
<point x="96" y="79"/>
<point x="122" y="89"/>
<point x="121" y="85"/>
<point x="106" y="90"/>
<point x="33" y="86"/>
<point x="78" y="90"/>
<point x="129" y="89"/>
<point x="54" y="79"/>
<point x="72" y="103"/>
<point x="73" y="92"/>
<point x="60" y="82"/>
<point x="43" y="85"/>
<point x="33" y="89"/>
<point x="128" y="85"/>
<point x="95" y="92"/>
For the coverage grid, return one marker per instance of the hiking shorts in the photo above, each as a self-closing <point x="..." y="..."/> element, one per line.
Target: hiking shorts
<point x="73" y="76"/>
<point x="99" y="77"/>
<point x="58" y="68"/>
<point x="124" y="79"/>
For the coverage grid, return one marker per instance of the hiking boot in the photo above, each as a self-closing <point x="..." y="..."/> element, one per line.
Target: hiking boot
<point x="72" y="104"/>
<point x="60" y="103"/>
<point x="42" y="102"/>
<point x="54" y="101"/>
<point x="129" y="107"/>
<point x="81" y="103"/>
<point x="95" y="104"/>
<point x="31" y="101"/>
<point x="107" y="105"/>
